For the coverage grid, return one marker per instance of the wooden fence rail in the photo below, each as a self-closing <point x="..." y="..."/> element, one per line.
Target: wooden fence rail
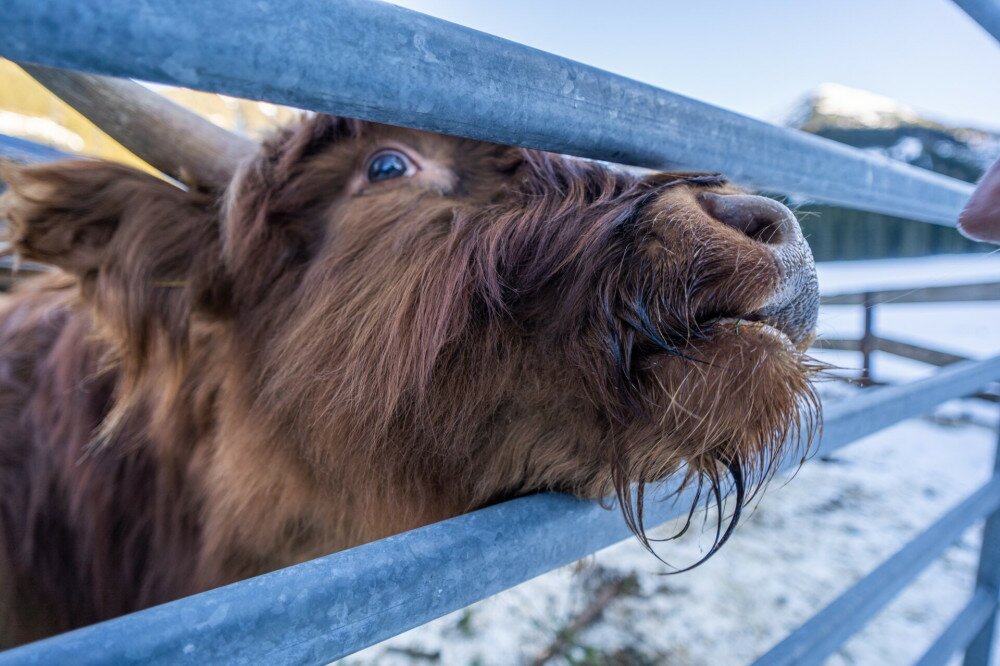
<point x="870" y="342"/>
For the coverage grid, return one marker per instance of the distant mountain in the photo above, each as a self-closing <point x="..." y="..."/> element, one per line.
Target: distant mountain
<point x="882" y="125"/>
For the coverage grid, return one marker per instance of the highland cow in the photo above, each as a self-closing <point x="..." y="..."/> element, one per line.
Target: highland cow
<point x="368" y="330"/>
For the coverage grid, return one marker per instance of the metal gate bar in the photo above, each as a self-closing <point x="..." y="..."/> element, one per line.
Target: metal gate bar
<point x="967" y="623"/>
<point x="376" y="61"/>
<point x="380" y="62"/>
<point x="828" y="629"/>
<point x="333" y="606"/>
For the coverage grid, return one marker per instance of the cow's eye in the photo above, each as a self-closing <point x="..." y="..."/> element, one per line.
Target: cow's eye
<point x="387" y="165"/>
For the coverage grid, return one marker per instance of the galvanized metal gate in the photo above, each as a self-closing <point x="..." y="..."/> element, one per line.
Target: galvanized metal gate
<point x="376" y="61"/>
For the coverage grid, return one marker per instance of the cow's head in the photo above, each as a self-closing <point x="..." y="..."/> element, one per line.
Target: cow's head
<point x="457" y="318"/>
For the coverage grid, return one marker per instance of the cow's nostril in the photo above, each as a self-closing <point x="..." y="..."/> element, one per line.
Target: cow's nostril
<point x="762" y="219"/>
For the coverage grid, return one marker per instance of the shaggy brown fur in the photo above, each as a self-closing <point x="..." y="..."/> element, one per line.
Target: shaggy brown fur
<point x="219" y="384"/>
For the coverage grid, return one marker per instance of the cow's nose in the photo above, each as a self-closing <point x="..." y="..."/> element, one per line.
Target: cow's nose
<point x="762" y="219"/>
<point x="793" y="306"/>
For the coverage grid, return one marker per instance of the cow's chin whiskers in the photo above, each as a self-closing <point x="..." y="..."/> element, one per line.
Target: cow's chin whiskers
<point x="719" y="457"/>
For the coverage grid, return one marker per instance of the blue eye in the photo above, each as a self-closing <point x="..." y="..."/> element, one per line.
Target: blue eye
<point x="387" y="165"/>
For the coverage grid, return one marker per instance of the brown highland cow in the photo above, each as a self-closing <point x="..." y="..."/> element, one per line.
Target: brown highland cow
<point x="370" y="329"/>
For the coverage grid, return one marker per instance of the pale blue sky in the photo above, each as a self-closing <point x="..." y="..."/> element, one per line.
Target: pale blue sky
<point x="758" y="56"/>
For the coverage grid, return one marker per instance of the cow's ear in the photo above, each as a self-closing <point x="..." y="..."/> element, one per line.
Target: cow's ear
<point x="146" y="252"/>
<point x="67" y="213"/>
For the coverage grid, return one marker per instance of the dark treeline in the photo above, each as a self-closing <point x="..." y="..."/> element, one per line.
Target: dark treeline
<point x="840" y="234"/>
<point x="843" y="234"/>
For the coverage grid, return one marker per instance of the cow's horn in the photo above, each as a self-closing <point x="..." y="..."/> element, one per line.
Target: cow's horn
<point x="178" y="142"/>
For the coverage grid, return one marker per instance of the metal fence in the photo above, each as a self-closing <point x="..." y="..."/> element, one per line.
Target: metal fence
<point x="20" y="150"/>
<point x="380" y="62"/>
<point x="870" y="342"/>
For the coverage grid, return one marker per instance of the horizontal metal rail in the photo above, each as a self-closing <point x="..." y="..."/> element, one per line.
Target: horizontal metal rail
<point x="951" y="293"/>
<point x="827" y="630"/>
<point x="20" y="150"/>
<point x="333" y="606"/>
<point x="25" y="268"/>
<point x="984" y="12"/>
<point x="380" y="62"/>
<point x="969" y="621"/>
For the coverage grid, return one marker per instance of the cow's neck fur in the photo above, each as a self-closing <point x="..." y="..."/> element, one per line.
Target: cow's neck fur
<point x="194" y="486"/>
<point x="219" y="385"/>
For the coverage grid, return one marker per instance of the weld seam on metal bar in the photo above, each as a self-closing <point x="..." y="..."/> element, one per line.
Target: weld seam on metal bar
<point x="381" y="62"/>
<point x="828" y="629"/>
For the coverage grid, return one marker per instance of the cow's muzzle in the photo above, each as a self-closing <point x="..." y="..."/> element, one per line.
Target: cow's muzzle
<point x="793" y="307"/>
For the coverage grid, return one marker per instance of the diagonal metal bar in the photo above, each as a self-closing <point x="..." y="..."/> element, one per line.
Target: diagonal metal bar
<point x="380" y="62"/>
<point x="969" y="622"/>
<point x="981" y="648"/>
<point x="827" y="630"/>
<point x="984" y="12"/>
<point x="851" y="420"/>
<point x="333" y="606"/>
<point x="158" y="131"/>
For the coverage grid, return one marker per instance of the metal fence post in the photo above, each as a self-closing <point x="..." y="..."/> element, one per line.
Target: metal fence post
<point x="980" y="649"/>
<point x="868" y="339"/>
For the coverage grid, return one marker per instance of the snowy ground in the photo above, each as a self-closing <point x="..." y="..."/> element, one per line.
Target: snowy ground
<point x="806" y="542"/>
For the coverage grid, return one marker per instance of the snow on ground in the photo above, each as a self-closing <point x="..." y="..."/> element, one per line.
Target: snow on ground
<point x="808" y="539"/>
<point x="837" y="277"/>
